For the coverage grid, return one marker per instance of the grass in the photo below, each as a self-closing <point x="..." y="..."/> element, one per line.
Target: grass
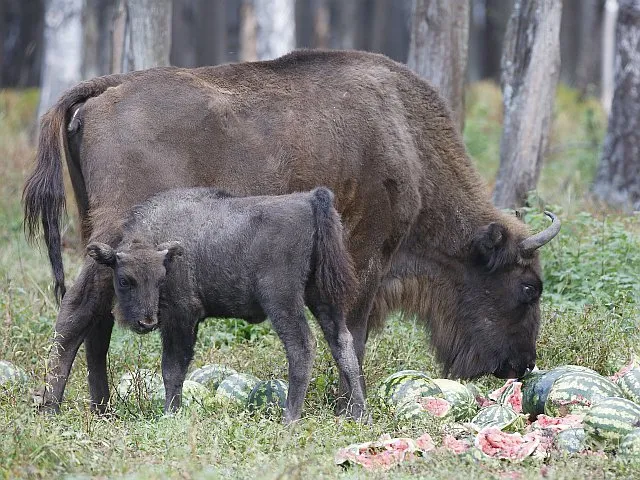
<point x="590" y="312"/>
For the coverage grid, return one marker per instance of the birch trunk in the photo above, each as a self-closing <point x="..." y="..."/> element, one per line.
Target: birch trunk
<point x="275" y="27"/>
<point x="618" y="180"/>
<point x="62" y="62"/>
<point x="530" y="70"/>
<point x="438" y="49"/>
<point x="608" y="52"/>
<point x="141" y="35"/>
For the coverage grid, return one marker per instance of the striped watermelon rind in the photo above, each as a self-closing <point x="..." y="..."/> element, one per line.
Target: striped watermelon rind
<point x="610" y="420"/>
<point x="629" y="384"/>
<point x="536" y="386"/>
<point x="268" y="395"/>
<point x="236" y="388"/>
<point x="576" y="392"/>
<point x="11" y="374"/>
<point x="211" y="375"/>
<point x="417" y="409"/>
<point x="141" y="384"/>
<point x="463" y="402"/>
<point x="412" y="389"/>
<point x="391" y="383"/>
<point x="571" y="440"/>
<point x="193" y="394"/>
<point x="630" y="444"/>
<point x="500" y="416"/>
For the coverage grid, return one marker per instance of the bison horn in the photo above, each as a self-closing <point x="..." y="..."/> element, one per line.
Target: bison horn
<point x="532" y="243"/>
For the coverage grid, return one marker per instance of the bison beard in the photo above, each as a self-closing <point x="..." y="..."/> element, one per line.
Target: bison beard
<point x="419" y="224"/>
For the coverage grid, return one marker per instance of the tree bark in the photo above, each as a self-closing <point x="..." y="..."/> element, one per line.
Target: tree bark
<point x="608" y="53"/>
<point x="438" y="49"/>
<point x="97" y="21"/>
<point x="184" y="32"/>
<point x="347" y="25"/>
<point x="618" y="179"/>
<point x="530" y="70"/>
<point x="275" y="27"/>
<point x="63" y="50"/>
<point x="141" y="35"/>
<point x="248" y="32"/>
<point x="589" y="56"/>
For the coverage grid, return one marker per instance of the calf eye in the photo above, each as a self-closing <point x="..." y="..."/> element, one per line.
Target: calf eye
<point x="123" y="282"/>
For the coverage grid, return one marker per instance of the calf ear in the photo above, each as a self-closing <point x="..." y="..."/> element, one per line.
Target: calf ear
<point x="170" y="250"/>
<point x="102" y="254"/>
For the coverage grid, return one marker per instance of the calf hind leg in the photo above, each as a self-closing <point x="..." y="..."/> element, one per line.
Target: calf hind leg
<point x="291" y="326"/>
<point x="341" y="343"/>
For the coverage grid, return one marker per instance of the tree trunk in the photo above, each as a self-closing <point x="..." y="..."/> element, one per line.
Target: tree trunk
<point x="248" y="32"/>
<point x="275" y="27"/>
<point x="608" y="53"/>
<point x="530" y="70"/>
<point x="618" y="179"/>
<point x="570" y="41"/>
<point x="346" y="24"/>
<point x="141" y="35"/>
<point x="184" y="32"/>
<point x="97" y="21"/>
<point x="497" y="13"/>
<point x="63" y="50"/>
<point x="589" y="56"/>
<point x="438" y="50"/>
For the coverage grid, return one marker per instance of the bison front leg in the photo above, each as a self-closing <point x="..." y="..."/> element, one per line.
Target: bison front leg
<point x="87" y="301"/>
<point x="178" y="341"/>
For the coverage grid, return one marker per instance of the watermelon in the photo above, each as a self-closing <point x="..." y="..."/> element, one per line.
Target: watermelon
<point x="499" y="416"/>
<point x="193" y="393"/>
<point x="211" y="375"/>
<point x="610" y="420"/>
<point x="9" y="373"/>
<point x="495" y="443"/>
<point x="571" y="440"/>
<point x="576" y="392"/>
<point x="404" y="388"/>
<point x="423" y="407"/>
<point x="390" y="384"/>
<point x="236" y="388"/>
<point x="268" y="394"/>
<point x="511" y="395"/>
<point x="629" y="382"/>
<point x="630" y="444"/>
<point x="463" y="402"/>
<point x="536" y="386"/>
<point x="143" y="383"/>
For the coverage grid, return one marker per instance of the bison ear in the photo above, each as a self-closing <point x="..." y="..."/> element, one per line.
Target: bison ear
<point x="487" y="243"/>
<point x="170" y="250"/>
<point x="102" y="254"/>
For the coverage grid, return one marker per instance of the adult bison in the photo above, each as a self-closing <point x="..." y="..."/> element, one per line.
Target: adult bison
<point x="419" y="224"/>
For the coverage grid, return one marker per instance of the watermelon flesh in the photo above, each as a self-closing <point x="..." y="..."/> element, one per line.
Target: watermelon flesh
<point x="452" y="444"/>
<point x="384" y="453"/>
<point x="437" y="407"/>
<point x="495" y="443"/>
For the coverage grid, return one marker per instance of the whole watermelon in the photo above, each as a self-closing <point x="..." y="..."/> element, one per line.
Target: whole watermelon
<point x="143" y="383"/>
<point x="11" y="374"/>
<point x="236" y="388"/>
<point x="610" y="420"/>
<point x="268" y="395"/>
<point x="629" y="382"/>
<point x="193" y="394"/>
<point x="576" y="392"/>
<point x="630" y="444"/>
<point x="211" y="375"/>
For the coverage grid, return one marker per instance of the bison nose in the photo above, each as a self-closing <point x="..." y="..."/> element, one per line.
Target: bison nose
<point x="148" y="323"/>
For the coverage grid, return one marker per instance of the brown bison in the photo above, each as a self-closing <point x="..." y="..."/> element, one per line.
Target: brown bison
<point x="188" y="254"/>
<point x="419" y="224"/>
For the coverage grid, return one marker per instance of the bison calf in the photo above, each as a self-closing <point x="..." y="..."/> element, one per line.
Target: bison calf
<point x="188" y="254"/>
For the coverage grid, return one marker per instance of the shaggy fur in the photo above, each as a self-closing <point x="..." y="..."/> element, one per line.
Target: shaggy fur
<point x="188" y="254"/>
<point x="416" y="213"/>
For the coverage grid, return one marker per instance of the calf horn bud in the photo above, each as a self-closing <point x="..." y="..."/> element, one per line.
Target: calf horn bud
<point x="532" y="243"/>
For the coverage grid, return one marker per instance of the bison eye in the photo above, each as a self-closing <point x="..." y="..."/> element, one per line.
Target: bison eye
<point x="529" y="293"/>
<point x="123" y="282"/>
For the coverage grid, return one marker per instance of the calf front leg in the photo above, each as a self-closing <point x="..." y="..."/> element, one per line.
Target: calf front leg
<point x="178" y="341"/>
<point x="85" y="303"/>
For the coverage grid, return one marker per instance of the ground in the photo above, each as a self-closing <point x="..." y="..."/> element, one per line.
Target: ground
<point x="590" y="309"/>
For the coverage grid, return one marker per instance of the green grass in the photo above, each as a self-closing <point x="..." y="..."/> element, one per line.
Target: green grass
<point x="590" y="317"/>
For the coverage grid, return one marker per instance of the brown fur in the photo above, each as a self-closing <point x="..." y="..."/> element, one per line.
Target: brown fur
<point x="415" y="211"/>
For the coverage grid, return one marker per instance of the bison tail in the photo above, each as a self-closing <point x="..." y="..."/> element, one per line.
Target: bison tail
<point x="334" y="272"/>
<point x="43" y="195"/>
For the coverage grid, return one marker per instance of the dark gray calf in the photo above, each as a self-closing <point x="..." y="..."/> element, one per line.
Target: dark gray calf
<point x="188" y="254"/>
